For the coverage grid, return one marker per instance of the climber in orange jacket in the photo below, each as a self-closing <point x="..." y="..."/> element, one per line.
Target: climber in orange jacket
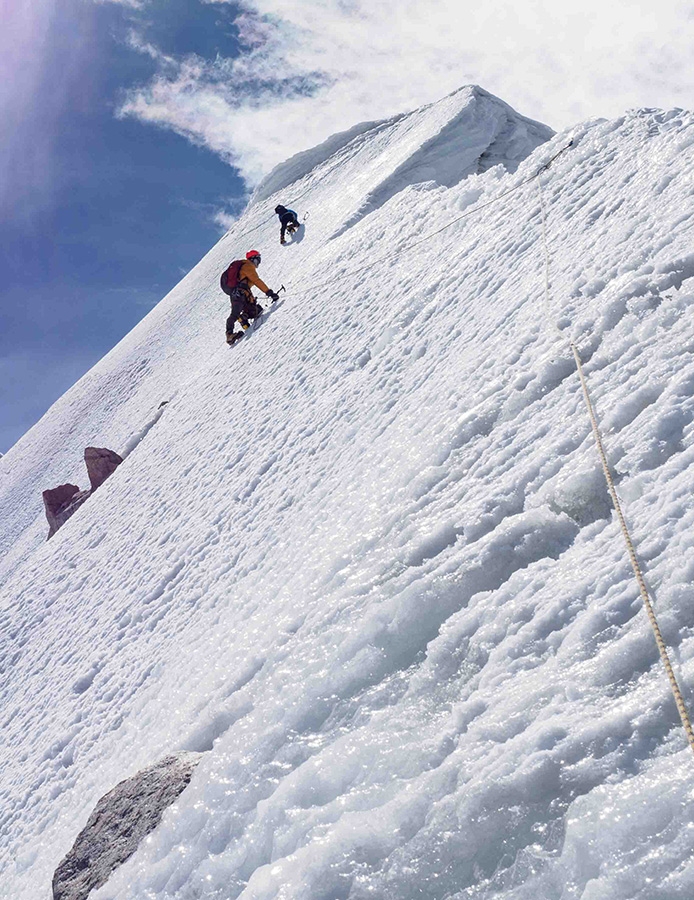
<point x="236" y="282"/>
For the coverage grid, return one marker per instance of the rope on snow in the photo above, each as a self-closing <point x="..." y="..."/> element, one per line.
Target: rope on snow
<point x="643" y="590"/>
<point x="473" y="211"/>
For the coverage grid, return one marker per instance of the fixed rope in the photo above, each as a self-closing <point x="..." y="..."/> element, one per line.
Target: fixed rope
<point x="545" y="244"/>
<point x="643" y="590"/>
<point x="474" y="211"/>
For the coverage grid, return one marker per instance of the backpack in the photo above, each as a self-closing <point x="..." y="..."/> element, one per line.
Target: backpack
<point x="230" y="276"/>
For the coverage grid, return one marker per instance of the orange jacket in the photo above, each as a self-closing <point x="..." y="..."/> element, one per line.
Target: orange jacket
<point x="249" y="274"/>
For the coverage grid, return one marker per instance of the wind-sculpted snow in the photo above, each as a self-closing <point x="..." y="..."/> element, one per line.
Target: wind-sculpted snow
<point x="485" y="132"/>
<point x="301" y="164"/>
<point x="366" y="563"/>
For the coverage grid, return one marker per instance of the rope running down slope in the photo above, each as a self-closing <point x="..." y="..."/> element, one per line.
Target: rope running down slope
<point x="476" y="210"/>
<point x="633" y="559"/>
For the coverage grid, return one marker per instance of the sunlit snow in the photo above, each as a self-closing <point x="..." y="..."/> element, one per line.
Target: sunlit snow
<point x="365" y="561"/>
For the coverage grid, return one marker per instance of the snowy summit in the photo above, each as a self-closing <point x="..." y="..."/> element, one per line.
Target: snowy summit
<point x="363" y="567"/>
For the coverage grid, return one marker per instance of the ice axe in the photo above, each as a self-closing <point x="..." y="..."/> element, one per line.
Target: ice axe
<point x="277" y="294"/>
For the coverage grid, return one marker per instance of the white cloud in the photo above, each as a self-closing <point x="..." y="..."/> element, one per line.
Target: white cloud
<point x="224" y="220"/>
<point x="137" y="42"/>
<point x="312" y="68"/>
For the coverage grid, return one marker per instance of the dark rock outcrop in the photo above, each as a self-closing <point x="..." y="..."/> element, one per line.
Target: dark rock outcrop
<point x="121" y="819"/>
<point x="60" y="503"/>
<point x="63" y="501"/>
<point x="100" y="464"/>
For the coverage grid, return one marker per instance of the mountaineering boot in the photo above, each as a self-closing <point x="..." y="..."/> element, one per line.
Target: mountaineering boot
<point x="233" y="337"/>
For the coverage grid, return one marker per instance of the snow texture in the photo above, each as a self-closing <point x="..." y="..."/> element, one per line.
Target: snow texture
<point x="299" y="165"/>
<point x="366" y="563"/>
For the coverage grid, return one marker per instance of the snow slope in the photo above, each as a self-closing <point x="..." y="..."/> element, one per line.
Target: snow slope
<point x="365" y="561"/>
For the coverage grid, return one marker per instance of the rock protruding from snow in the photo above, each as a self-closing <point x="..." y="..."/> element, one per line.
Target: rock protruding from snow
<point x="100" y="464"/>
<point x="61" y="503"/>
<point x="121" y="819"/>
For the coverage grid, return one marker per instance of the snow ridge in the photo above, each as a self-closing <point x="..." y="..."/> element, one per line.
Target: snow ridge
<point x="485" y="132"/>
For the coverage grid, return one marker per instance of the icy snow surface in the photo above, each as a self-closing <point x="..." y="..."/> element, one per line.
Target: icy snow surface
<point x="365" y="561"/>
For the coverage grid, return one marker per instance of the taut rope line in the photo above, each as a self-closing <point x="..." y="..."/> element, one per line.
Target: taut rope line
<point x="643" y="590"/>
<point x="545" y="244"/>
<point x="473" y="211"/>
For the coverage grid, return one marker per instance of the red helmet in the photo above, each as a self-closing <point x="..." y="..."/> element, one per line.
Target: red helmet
<point x="253" y="256"/>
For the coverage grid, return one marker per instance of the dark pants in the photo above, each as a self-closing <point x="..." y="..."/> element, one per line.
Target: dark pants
<point x="243" y="308"/>
<point x="288" y="220"/>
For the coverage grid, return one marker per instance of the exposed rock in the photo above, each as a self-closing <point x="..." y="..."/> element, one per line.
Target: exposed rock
<point x="61" y="503"/>
<point x="100" y="464"/>
<point x="56" y="498"/>
<point x="121" y="819"/>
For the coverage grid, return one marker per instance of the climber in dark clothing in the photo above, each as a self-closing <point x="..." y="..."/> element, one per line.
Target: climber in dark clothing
<point x="289" y="220"/>
<point x="236" y="282"/>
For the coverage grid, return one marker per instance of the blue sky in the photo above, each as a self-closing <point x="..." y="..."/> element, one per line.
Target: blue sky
<point x="100" y="216"/>
<point x="132" y="130"/>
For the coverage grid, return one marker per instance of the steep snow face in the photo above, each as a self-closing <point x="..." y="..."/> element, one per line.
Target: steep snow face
<point x="296" y="167"/>
<point x="345" y="177"/>
<point x="365" y="563"/>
